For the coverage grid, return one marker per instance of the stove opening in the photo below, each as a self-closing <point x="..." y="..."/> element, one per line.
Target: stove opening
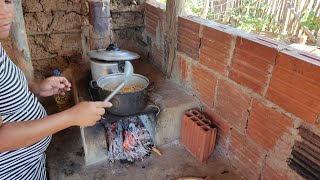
<point x="130" y="139"/>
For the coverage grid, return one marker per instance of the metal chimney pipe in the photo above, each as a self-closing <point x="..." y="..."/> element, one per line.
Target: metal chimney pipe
<point x="99" y="20"/>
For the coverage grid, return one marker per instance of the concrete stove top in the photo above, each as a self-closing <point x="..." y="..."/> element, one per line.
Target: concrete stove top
<point x="172" y="100"/>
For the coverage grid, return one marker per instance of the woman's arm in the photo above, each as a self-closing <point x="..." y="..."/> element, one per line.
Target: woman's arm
<point x="34" y="87"/>
<point x="16" y="135"/>
<point x="50" y="86"/>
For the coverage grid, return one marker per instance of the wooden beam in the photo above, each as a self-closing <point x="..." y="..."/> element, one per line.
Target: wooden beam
<point x="20" y="41"/>
<point x="173" y="10"/>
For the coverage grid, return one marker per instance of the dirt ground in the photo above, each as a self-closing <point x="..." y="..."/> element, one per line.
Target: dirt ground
<point x="65" y="160"/>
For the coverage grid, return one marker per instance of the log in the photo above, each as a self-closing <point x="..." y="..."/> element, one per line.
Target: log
<point x="20" y="42"/>
<point x="173" y="10"/>
<point x="85" y="43"/>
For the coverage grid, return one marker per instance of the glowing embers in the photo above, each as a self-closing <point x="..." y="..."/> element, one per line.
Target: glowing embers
<point x="129" y="139"/>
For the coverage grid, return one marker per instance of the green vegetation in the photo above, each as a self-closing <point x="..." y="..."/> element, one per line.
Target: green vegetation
<point x="252" y="18"/>
<point x="309" y="20"/>
<point x="193" y="7"/>
<point x="247" y="17"/>
<point x="162" y="1"/>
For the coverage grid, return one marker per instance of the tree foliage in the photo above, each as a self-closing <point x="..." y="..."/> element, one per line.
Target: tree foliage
<point x="309" y="20"/>
<point x="250" y="17"/>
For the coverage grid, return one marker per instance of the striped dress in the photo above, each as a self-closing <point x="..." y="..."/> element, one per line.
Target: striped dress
<point x="17" y="103"/>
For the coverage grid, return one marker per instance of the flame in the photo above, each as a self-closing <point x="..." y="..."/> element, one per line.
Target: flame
<point x="128" y="140"/>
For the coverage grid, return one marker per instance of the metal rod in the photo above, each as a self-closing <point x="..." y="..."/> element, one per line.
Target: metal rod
<point x="128" y="74"/>
<point x="114" y="92"/>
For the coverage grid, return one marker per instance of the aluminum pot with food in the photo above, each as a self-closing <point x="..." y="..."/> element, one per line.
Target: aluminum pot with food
<point x="109" y="61"/>
<point x="131" y="99"/>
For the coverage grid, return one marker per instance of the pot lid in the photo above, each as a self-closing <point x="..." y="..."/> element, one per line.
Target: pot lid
<point x="113" y="53"/>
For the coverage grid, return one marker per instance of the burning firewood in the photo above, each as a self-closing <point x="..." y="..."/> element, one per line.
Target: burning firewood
<point x="156" y="151"/>
<point x="128" y="140"/>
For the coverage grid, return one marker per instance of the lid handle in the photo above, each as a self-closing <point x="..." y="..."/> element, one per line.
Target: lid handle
<point x="113" y="47"/>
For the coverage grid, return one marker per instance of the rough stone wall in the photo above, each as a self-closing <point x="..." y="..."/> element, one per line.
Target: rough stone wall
<point x="127" y="25"/>
<point x="54" y="31"/>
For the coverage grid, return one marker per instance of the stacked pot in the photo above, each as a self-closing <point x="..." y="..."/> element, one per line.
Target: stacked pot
<point x="107" y="66"/>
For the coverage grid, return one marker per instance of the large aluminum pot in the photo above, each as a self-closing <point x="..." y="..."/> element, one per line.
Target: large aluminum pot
<point x="109" y="61"/>
<point x="102" y="68"/>
<point x="124" y="104"/>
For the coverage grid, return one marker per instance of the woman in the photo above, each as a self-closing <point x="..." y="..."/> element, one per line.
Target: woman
<point x="25" y="128"/>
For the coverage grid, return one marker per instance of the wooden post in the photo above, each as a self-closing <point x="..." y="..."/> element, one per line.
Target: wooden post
<point x="173" y="10"/>
<point x="205" y="9"/>
<point x="85" y="43"/>
<point x="20" y="41"/>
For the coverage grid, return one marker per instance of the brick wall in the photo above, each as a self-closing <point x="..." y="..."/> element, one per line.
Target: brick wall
<point x="257" y="91"/>
<point x="155" y="19"/>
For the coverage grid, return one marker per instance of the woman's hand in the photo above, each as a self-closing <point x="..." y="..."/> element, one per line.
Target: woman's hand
<point x="87" y="113"/>
<point x="51" y="86"/>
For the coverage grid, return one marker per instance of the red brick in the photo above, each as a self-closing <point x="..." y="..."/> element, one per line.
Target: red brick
<point x="270" y="173"/>
<point x="187" y="133"/>
<point x="205" y="138"/>
<point x="295" y="85"/>
<point x="251" y="63"/>
<point x="266" y="126"/>
<point x="151" y="23"/>
<point x="153" y="15"/>
<point x="196" y="136"/>
<point x="245" y="155"/>
<point x="188" y="37"/>
<point x="152" y="18"/>
<point x="258" y="47"/>
<point x="183" y="68"/>
<point x="223" y="127"/>
<point x="216" y="48"/>
<point x="232" y="104"/>
<point x="204" y="83"/>
<point x="184" y="130"/>
<point x="157" y="57"/>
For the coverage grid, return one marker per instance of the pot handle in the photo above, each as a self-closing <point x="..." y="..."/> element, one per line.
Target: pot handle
<point x="151" y="87"/>
<point x="94" y="84"/>
<point x="157" y="107"/>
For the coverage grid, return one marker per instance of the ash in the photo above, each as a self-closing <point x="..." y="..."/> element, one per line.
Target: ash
<point x="128" y="140"/>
